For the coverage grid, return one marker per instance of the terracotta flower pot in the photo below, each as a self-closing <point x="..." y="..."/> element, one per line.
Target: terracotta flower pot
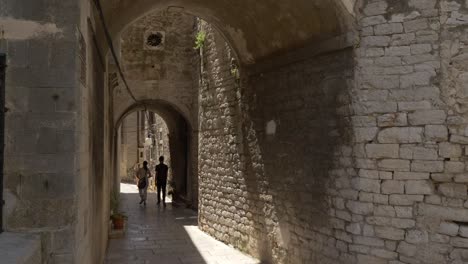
<point x="118" y="223"/>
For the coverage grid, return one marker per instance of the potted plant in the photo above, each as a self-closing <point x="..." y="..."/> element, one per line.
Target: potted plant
<point x="118" y="218"/>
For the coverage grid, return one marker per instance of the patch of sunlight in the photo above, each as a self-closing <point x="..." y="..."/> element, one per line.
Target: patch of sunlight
<point x="128" y="188"/>
<point x="214" y="251"/>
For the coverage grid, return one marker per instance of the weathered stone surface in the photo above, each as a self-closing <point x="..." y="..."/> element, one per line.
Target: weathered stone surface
<point x="20" y="248"/>
<point x="399" y="199"/>
<point x="453" y="190"/>
<point x="373" y="20"/>
<point x="360" y="208"/>
<point x="394" y="164"/>
<point x="441" y="177"/>
<point x="393" y="187"/>
<point x="365" y="134"/>
<point x="411" y="175"/>
<point x="448" y="228"/>
<point x="401" y="135"/>
<point x="463" y="231"/>
<point x="366" y="259"/>
<point x="404" y="211"/>
<point x="375" y="107"/>
<point x="417" y="79"/>
<point x="387" y="29"/>
<point x="415" y="25"/>
<point x="382" y="150"/>
<point x="384" y="210"/>
<point x="367" y="185"/>
<point x="364" y="121"/>
<point x="389" y="233"/>
<point x="427" y="117"/>
<point x="406" y="249"/>
<point x="447" y="213"/>
<point x="416" y="236"/>
<point x="418" y="153"/>
<point x="419" y="187"/>
<point x="448" y="150"/>
<point x="454" y="167"/>
<point x="436" y="133"/>
<point x="395" y="51"/>
<point x="411" y="106"/>
<point x="369" y="241"/>
<point x="427" y="166"/>
<point x="386" y="254"/>
<point x="376" y="41"/>
<point x="433" y="199"/>
<point x="392" y="120"/>
<point x="459" y="242"/>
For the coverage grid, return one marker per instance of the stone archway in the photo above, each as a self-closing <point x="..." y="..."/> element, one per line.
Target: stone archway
<point x="181" y="146"/>
<point x="255" y="30"/>
<point x="245" y="134"/>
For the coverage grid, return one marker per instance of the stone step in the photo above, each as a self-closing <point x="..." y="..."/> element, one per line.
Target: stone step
<point x="18" y="248"/>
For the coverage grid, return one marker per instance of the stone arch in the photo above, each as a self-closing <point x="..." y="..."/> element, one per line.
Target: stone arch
<point x="255" y="30"/>
<point x="181" y="142"/>
<point x="277" y="46"/>
<point x="163" y="108"/>
<point x="165" y="74"/>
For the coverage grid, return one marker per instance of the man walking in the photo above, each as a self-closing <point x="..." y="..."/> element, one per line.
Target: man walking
<point x="161" y="179"/>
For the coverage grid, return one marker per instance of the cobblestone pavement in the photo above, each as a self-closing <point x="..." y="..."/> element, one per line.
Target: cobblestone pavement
<point x="159" y="235"/>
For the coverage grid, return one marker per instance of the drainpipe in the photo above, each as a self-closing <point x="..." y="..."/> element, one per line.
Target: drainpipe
<point x="2" y="131"/>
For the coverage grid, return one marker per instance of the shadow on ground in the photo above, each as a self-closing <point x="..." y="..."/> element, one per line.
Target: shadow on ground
<point x="166" y="235"/>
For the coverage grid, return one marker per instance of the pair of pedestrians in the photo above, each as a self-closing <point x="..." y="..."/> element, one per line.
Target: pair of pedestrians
<point x="143" y="176"/>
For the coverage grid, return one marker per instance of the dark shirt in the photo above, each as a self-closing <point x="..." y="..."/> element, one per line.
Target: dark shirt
<point x="161" y="173"/>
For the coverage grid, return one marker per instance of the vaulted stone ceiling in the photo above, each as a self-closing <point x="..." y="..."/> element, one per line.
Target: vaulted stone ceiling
<point x="256" y="28"/>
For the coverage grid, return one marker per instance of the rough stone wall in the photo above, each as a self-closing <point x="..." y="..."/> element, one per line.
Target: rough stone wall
<point x="270" y="146"/>
<point x="39" y="38"/>
<point x="393" y="192"/>
<point x="163" y="73"/>
<point x="129" y="146"/>
<point x="410" y="193"/>
<point x="94" y="165"/>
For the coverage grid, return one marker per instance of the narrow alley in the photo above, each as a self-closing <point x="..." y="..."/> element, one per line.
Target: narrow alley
<point x="296" y="131"/>
<point x="166" y="235"/>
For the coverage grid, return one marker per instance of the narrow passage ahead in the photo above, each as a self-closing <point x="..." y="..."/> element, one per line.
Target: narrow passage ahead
<point x="166" y="236"/>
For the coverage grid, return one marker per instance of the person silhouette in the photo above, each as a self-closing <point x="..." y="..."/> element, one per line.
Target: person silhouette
<point x="142" y="177"/>
<point x="161" y="180"/>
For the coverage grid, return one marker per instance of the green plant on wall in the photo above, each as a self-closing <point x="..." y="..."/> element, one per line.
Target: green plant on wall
<point x="235" y="73"/>
<point x="235" y="69"/>
<point x="114" y="202"/>
<point x="200" y="40"/>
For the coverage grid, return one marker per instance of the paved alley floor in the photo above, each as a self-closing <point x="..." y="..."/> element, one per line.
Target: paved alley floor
<point x="158" y="235"/>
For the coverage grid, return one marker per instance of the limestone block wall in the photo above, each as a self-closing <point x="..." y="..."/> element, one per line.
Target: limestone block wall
<point x="94" y="164"/>
<point x="275" y="149"/>
<point x="40" y="41"/>
<point x="354" y="156"/>
<point x="409" y="124"/>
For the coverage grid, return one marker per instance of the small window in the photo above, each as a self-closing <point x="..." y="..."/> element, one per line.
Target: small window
<point x="154" y="40"/>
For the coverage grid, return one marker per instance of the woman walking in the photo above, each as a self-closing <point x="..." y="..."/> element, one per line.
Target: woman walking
<point x="142" y="177"/>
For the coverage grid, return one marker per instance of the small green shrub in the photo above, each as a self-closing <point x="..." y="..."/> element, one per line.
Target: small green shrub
<point x="200" y="40"/>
